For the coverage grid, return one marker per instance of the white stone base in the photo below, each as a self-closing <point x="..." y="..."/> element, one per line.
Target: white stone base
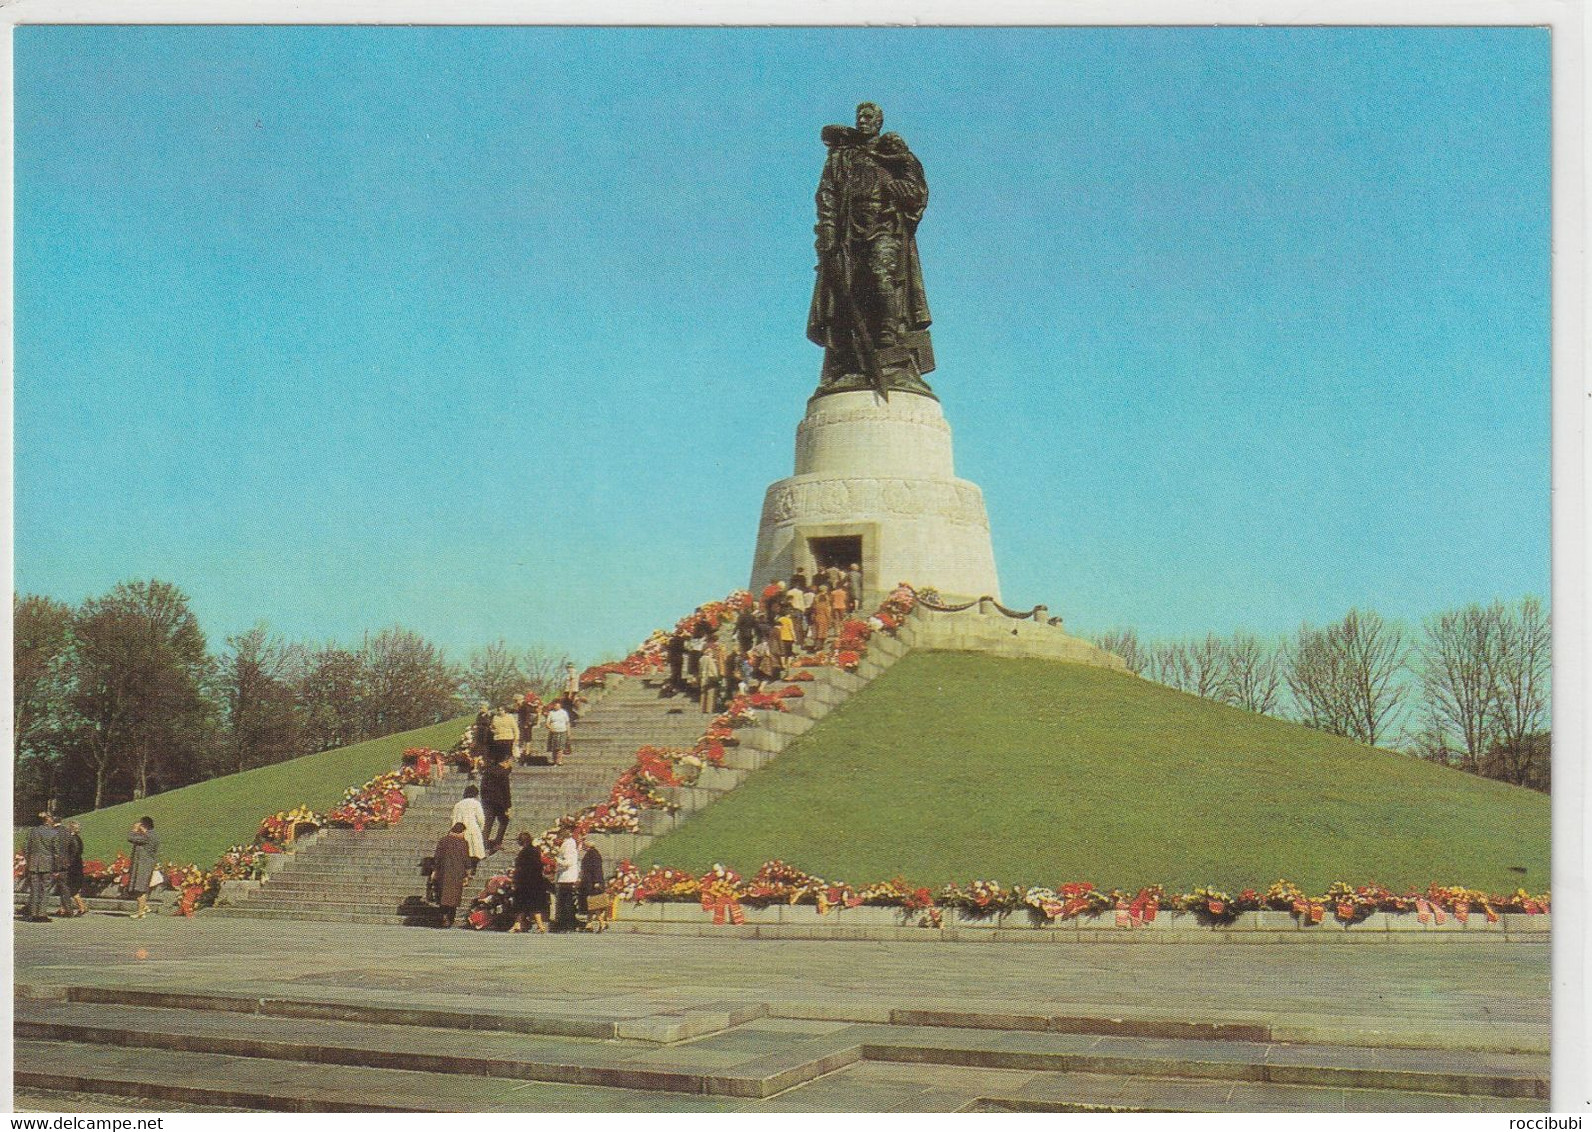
<point x="879" y="471"/>
<point x="992" y="632"/>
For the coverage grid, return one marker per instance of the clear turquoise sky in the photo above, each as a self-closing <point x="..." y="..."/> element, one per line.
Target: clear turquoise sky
<point x="499" y="332"/>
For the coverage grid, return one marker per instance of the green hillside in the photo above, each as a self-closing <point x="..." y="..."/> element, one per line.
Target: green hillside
<point x="197" y="823"/>
<point x="955" y="766"/>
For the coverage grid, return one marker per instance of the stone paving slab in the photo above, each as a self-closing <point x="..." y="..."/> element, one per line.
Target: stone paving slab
<point x="1448" y="988"/>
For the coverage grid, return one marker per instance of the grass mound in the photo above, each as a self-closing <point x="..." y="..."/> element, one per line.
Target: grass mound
<point x="956" y="766"/>
<point x="197" y="823"/>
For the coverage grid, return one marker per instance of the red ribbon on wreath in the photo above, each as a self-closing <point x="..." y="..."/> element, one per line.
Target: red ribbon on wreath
<point x="1143" y="908"/>
<point x="724" y="906"/>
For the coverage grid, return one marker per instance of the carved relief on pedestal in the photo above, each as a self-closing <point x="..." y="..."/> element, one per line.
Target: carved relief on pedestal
<point x="934" y="423"/>
<point x="954" y="501"/>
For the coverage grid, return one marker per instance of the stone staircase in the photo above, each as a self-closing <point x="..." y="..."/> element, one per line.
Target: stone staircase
<point x="374" y="876"/>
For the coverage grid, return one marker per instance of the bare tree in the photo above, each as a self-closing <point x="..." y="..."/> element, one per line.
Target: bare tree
<point x="493" y="675"/>
<point x="1523" y="674"/>
<point x="1460" y="655"/>
<point x="1170" y="665"/>
<point x="544" y="670"/>
<point x="1207" y="664"/>
<point x="1125" y="644"/>
<point x="1189" y="666"/>
<point x="1314" y="672"/>
<point x="1251" y="674"/>
<point x="1346" y="677"/>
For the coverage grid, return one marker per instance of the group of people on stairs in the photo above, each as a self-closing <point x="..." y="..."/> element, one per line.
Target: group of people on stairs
<point x="479" y="823"/>
<point x="566" y="883"/>
<point x="800" y="614"/>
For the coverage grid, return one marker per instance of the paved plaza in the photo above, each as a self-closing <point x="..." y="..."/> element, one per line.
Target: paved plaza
<point x="629" y="1002"/>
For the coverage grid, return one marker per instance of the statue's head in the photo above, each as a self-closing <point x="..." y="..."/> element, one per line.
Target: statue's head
<point x="869" y="119"/>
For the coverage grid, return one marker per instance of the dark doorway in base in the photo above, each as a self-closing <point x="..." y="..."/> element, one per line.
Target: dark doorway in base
<point x="842" y="551"/>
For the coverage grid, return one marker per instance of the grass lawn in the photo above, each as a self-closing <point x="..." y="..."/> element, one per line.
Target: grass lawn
<point x="197" y="823"/>
<point x="956" y="766"/>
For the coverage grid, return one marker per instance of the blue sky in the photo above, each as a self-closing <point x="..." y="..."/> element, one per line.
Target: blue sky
<point x="499" y="332"/>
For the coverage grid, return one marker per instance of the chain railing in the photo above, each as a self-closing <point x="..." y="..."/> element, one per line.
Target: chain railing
<point x="1040" y="614"/>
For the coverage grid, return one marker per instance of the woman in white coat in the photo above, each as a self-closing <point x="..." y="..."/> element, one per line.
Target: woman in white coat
<point x="565" y="880"/>
<point x="468" y="811"/>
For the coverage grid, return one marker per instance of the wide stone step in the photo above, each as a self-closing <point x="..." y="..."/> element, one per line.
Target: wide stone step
<point x="372" y="894"/>
<point x="407" y="877"/>
<point x="249" y="910"/>
<point x="552" y="1022"/>
<point x="1095" y="1092"/>
<point x="158" y="902"/>
<point x="414" y="914"/>
<point x="417" y="914"/>
<point x="365" y="863"/>
<point x="213" y="1082"/>
<point x="70" y="1100"/>
<point x="684" y="722"/>
<point x="739" y="1071"/>
<point x="222" y="1083"/>
<point x="393" y="868"/>
<point x="1347" y="1067"/>
<point x="764" y="1060"/>
<point x="371" y="881"/>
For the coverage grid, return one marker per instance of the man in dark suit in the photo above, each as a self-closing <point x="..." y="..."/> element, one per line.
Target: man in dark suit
<point x="43" y="857"/>
<point x="497" y="800"/>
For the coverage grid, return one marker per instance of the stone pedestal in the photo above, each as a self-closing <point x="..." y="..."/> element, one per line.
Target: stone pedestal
<point x="877" y="476"/>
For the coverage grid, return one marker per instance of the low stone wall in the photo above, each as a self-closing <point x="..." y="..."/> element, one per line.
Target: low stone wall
<point x="802" y="921"/>
<point x="991" y="631"/>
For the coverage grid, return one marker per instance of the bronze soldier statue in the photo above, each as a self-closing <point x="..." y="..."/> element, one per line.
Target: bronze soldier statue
<point x="868" y="310"/>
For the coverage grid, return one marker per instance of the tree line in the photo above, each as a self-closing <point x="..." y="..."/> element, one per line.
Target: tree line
<point x="121" y="697"/>
<point x="1471" y="689"/>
